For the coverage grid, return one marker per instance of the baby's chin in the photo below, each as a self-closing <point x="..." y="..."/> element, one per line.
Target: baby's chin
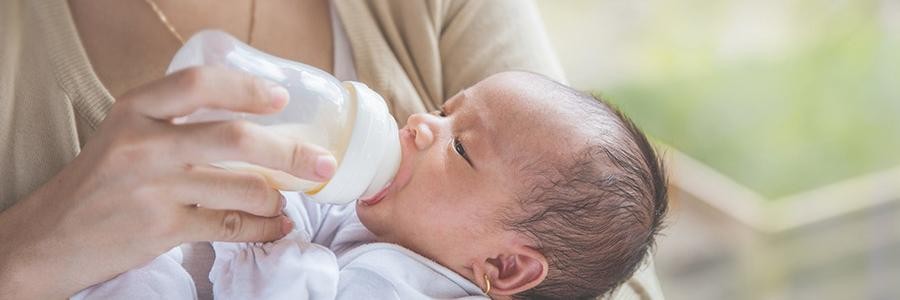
<point x="373" y="219"/>
<point x="383" y="222"/>
<point x="380" y="215"/>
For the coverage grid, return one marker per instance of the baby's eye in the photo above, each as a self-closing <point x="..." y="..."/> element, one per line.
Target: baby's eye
<point x="458" y="147"/>
<point x="441" y="112"/>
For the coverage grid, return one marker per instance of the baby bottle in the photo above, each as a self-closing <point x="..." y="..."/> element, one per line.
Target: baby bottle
<point x="347" y="118"/>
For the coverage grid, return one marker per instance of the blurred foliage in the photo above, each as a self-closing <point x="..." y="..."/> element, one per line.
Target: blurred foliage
<point x="781" y="95"/>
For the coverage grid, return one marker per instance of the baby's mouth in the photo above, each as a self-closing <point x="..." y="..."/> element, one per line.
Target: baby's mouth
<point x="377" y="197"/>
<point x="404" y="172"/>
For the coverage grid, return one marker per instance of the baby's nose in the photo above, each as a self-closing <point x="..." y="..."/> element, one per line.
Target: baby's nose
<point x="424" y="136"/>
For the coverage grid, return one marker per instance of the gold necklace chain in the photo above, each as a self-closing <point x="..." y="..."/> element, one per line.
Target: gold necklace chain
<point x="165" y="21"/>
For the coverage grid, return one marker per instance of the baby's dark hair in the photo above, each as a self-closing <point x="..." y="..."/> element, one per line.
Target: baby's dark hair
<point x="595" y="215"/>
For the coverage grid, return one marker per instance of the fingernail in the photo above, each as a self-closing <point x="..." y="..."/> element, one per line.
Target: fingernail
<point x="286" y="225"/>
<point x="279" y="95"/>
<point x="283" y="202"/>
<point x="325" y="166"/>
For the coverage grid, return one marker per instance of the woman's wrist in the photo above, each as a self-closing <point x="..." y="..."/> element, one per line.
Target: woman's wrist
<point x="23" y="272"/>
<point x="15" y="281"/>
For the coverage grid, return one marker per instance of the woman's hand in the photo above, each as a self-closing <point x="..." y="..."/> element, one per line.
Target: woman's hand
<point x="142" y="185"/>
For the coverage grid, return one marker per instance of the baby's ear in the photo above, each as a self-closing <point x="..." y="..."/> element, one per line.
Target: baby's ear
<point x="518" y="271"/>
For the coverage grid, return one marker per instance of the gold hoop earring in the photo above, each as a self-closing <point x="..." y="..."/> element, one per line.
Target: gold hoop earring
<point x="487" y="284"/>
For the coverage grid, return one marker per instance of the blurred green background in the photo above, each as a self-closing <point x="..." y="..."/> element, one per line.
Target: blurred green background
<point x="781" y="95"/>
<point x="797" y="100"/>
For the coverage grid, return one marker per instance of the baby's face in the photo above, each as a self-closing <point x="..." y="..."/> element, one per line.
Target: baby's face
<point x="461" y="168"/>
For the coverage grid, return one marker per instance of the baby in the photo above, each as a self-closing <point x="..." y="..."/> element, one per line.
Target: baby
<point x="519" y="187"/>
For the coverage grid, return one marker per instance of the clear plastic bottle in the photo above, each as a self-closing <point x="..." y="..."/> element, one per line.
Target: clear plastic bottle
<point x="347" y="118"/>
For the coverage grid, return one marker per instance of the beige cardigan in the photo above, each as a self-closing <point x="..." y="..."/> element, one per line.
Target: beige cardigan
<point x="414" y="53"/>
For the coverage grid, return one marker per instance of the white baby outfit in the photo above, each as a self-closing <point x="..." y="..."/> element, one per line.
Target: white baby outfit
<point x="328" y="255"/>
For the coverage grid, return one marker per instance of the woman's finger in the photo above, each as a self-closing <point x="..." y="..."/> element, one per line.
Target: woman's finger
<point x="185" y="91"/>
<point x="213" y="188"/>
<point x="233" y="226"/>
<point x="243" y="141"/>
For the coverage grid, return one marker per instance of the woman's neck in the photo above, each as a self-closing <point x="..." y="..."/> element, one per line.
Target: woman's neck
<point x="128" y="45"/>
